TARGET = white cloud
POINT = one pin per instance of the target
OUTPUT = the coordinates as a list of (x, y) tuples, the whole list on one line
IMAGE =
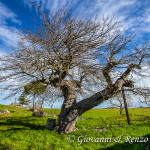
[(9, 35), (143, 81), (6, 14), (140, 24), (52, 4), (134, 14), (114, 6)]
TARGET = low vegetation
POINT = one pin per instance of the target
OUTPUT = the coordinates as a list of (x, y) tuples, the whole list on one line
[(21, 131)]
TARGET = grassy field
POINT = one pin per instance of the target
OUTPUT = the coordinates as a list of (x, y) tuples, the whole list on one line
[(100, 129)]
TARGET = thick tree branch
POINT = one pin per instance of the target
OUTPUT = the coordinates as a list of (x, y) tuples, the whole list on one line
[(106, 73), (107, 93)]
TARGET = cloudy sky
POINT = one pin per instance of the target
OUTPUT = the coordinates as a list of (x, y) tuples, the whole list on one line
[(18, 15)]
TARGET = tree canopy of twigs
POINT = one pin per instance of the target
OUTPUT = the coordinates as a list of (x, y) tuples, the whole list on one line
[(75, 55)]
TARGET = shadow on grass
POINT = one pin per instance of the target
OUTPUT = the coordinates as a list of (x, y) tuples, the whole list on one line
[(128, 146), (12, 111), (22, 121)]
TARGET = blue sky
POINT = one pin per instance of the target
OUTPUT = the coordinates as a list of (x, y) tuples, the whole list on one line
[(18, 15)]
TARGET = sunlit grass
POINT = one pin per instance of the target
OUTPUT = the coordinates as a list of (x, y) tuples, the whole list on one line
[(20, 131)]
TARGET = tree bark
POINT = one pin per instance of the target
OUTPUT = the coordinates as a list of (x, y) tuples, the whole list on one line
[(67, 117)]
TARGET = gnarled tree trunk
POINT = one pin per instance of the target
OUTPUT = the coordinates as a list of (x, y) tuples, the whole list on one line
[(71, 110), (67, 117)]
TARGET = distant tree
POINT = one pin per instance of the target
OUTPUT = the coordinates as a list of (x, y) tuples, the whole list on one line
[(50, 96), (74, 54), (34, 89), (118, 102), (40, 102), (23, 101), (144, 96)]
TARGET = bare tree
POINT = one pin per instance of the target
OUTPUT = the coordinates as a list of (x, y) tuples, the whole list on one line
[(50, 96), (144, 96), (40, 102), (76, 54), (117, 102)]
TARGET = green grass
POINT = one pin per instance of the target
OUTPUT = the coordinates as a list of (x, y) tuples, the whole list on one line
[(20, 131)]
